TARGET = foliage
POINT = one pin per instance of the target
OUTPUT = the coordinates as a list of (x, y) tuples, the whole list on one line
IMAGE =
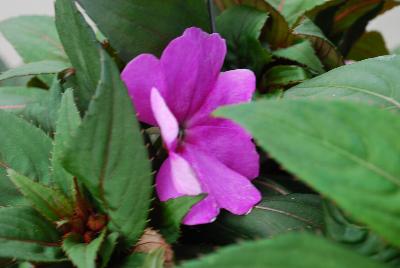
[(77, 168)]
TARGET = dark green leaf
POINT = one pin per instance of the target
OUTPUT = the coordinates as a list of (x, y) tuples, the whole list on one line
[(173, 212), (136, 26), (326, 51), (370, 45), (358, 238), (288, 251), (31, 161), (50, 203), (274, 215), (9, 195), (25, 235), (15, 99), (34, 37), (67, 124), (108, 155), (293, 10), (303, 53), (83, 255), (107, 249), (284, 75), (278, 34), (354, 154), (82, 48), (244, 48), (372, 81)]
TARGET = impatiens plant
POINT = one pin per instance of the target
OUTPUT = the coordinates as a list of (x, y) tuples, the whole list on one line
[(193, 133)]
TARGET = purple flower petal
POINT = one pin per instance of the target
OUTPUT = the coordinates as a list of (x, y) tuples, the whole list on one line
[(176, 178), (165, 119), (230, 190), (191, 65), (228, 142), (205, 211), (232, 87), (140, 76)]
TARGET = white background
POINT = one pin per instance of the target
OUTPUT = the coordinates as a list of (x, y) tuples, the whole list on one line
[(388, 24)]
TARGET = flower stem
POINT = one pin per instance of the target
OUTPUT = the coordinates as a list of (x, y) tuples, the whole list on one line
[(211, 14)]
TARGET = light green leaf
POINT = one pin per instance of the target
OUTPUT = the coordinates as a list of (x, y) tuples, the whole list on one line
[(326, 51), (374, 81), (35, 68), (25, 235), (44, 113), (34, 37), (154, 259), (83, 255), (132, 28), (108, 155), (303, 53), (346, 151), (370, 45), (288, 251), (173, 212), (273, 216), (24, 148), (82, 48), (67, 124), (50, 203), (15, 99)]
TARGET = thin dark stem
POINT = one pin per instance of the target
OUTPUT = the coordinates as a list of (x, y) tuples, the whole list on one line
[(211, 14)]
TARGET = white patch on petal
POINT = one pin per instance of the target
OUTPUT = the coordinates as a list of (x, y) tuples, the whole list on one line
[(183, 176), (165, 119)]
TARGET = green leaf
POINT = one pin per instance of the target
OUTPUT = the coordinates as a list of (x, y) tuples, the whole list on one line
[(15, 99), (108, 155), (372, 81), (173, 212), (284, 75), (354, 154), (358, 238), (9, 195), (370, 45), (154, 259), (31, 161), (67, 124), (44, 113), (132, 28), (25, 235), (35, 68), (326, 50), (244, 48), (82, 48), (293, 10), (303, 53), (287, 251), (83, 255), (250, 23), (107, 249), (274, 215), (278, 34), (34, 37), (50, 203)]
